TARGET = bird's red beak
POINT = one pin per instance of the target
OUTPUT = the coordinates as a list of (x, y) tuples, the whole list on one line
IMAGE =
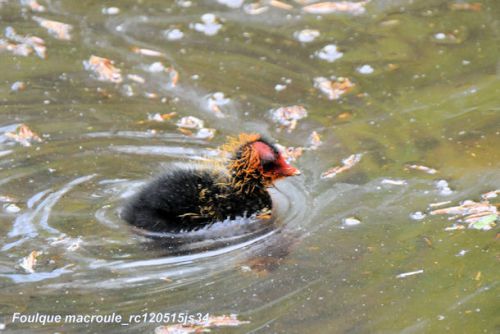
[(286, 169)]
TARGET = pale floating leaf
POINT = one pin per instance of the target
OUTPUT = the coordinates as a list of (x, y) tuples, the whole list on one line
[(255, 8), (410, 273), (28, 263), (490, 194), (57, 29), (333, 89), (422, 168), (347, 164), (484, 223), (280, 5), (306, 35), (23, 135), (33, 5), (287, 117), (472, 6), (148, 52), (190, 122), (104, 69), (330, 7), (394, 182), (314, 140), (290, 154)]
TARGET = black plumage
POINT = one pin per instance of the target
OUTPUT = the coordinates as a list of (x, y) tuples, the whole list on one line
[(191, 198)]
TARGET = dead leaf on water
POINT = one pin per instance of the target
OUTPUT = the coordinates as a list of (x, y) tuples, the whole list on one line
[(23, 135), (425, 169), (28, 263), (26, 44), (33, 5), (478, 215), (287, 117), (290, 154), (490, 194), (473, 6), (333, 89), (194, 127), (103, 68), (330, 7), (314, 140), (347, 164), (280, 5), (147, 52), (174, 76), (57, 29)]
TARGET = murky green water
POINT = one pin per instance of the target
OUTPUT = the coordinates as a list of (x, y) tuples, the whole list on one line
[(426, 77)]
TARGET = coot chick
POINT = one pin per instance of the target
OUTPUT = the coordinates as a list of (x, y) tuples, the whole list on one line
[(186, 199)]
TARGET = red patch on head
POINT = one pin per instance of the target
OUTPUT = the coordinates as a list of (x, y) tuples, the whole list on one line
[(280, 167), (265, 152)]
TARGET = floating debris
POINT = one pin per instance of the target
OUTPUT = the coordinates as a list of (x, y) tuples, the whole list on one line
[(161, 117), (279, 87), (28, 263), (255, 8), (478, 215), (27, 44), (462, 252), (187, 124), (455, 37), (435, 205), (136, 78), (280, 5), (365, 69), (425, 169), (148, 52), (351, 221), (347, 164), (205, 133), (18, 86), (103, 68), (201, 326), (210, 25), (215, 101), (173, 75), (306, 35), (23, 135), (288, 117), (484, 223), (410, 273), (418, 215), (290, 153), (33, 5), (110, 11), (329, 52), (156, 67), (333, 89), (473, 6), (57, 29), (190, 122), (491, 194), (231, 3), (173, 34), (444, 188), (394, 182), (314, 141), (354, 8)]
